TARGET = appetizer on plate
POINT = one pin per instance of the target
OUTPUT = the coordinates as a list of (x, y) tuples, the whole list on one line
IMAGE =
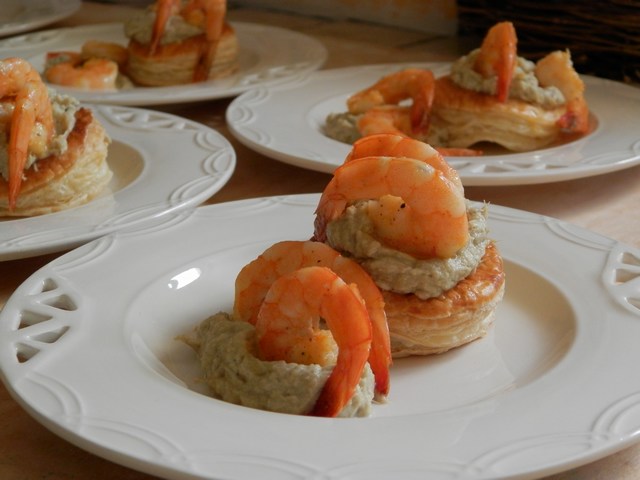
[(52, 151), (173, 42), (398, 209), (98, 66), (491, 95), (181, 41), (399, 264), (308, 335)]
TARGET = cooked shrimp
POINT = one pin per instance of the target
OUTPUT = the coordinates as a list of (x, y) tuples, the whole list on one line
[(399, 146), (385, 119), (165, 9), (92, 74), (413, 207), (255, 279), (410, 84), (288, 328), (111, 51), (498, 56), (31, 127), (556, 69), (207, 14), (394, 120)]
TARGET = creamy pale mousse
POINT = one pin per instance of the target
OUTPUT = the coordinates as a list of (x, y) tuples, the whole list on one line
[(227, 352), (524, 84), (140, 28), (395, 271)]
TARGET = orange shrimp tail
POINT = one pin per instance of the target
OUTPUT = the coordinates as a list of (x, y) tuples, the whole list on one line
[(205, 61), (576, 118), (319, 229), (21, 123), (16, 170), (330, 206), (380, 360), (498, 56), (164, 10), (504, 84), (210, 14), (341, 384), (422, 103), (335, 394), (420, 120)]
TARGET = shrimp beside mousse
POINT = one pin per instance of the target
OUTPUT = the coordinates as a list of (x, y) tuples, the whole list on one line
[(398, 209), (181, 41), (491, 96), (52, 151), (308, 335), (172, 42), (400, 264), (98, 66)]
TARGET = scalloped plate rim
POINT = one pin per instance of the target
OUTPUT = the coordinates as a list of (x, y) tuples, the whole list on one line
[(156, 203), (509, 223), (328, 153)]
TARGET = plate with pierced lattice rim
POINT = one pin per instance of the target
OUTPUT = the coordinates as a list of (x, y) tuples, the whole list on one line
[(161, 163), (288, 125), (552, 385)]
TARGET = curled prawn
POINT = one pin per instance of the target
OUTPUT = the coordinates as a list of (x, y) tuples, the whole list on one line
[(164, 10), (255, 279), (108, 50), (288, 328), (410, 84), (556, 69), (413, 207), (385, 119), (31, 126), (498, 57), (207, 14), (399, 146), (394, 120), (90, 74)]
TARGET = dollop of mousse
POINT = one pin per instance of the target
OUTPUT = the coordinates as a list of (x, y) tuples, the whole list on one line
[(140, 28), (342, 127), (524, 84), (227, 351), (353, 234)]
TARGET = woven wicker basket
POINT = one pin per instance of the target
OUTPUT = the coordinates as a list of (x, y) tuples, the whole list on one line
[(603, 36)]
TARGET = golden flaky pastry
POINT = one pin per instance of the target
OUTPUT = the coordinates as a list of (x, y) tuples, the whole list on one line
[(66, 180), (456, 317), (461, 118), (174, 63)]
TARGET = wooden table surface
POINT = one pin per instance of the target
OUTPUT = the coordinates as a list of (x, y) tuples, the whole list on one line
[(605, 204)]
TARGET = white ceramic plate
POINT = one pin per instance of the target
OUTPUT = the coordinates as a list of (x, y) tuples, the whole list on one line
[(268, 56), (17, 16), (161, 164), (287, 124), (552, 386)]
